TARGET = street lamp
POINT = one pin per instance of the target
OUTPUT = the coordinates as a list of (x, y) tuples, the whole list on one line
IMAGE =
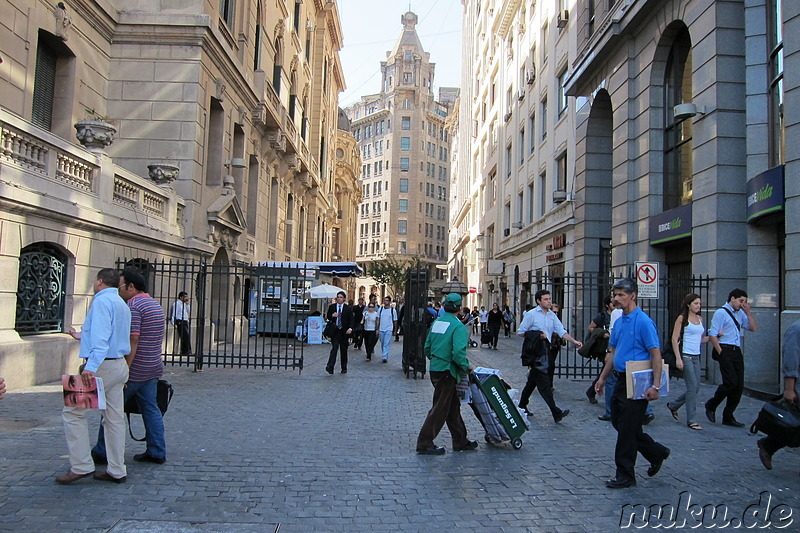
[(454, 285)]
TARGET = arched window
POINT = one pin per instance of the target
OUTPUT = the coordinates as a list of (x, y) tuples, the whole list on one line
[(147, 271), (678, 133), (41, 289)]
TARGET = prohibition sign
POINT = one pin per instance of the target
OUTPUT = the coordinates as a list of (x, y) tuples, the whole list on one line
[(647, 278)]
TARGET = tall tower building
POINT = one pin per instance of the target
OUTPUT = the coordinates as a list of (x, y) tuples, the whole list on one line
[(405, 147)]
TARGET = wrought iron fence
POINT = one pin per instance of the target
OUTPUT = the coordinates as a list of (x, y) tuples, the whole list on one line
[(241, 316), (580, 297)]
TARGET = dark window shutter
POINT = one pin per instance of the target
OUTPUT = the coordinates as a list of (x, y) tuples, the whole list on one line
[(44, 86)]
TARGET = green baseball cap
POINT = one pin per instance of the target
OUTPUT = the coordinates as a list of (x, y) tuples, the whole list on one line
[(453, 298)]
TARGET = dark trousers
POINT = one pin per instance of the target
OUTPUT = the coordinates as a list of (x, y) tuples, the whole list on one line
[(494, 331), (626, 417), (731, 366), (552, 357), (182, 329), (338, 343), (772, 444), (446, 409), (370, 339), (358, 336), (540, 380)]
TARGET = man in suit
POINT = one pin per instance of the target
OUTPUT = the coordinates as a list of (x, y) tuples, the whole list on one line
[(342, 315)]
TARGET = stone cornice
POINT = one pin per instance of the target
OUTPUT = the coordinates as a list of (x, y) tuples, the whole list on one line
[(102, 20)]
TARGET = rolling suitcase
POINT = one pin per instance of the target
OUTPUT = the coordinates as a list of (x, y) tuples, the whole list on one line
[(486, 337)]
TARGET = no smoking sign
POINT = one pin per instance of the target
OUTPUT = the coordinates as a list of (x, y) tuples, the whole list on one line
[(647, 278)]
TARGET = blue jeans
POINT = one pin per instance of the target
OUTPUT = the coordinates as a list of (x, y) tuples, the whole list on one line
[(608, 391), (386, 341), (691, 375), (145, 392)]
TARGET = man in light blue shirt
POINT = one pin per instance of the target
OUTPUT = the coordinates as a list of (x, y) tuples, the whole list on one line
[(105, 341), (542, 319), (726, 337)]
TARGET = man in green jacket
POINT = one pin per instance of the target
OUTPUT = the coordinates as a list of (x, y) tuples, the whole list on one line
[(446, 347)]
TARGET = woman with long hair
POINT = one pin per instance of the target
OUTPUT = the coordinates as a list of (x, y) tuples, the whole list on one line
[(370, 322), (687, 336)]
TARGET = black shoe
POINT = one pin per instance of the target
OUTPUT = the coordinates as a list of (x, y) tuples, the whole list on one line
[(711, 415), (470, 445), (147, 458), (329, 369), (648, 418), (99, 459), (616, 483), (733, 423), (592, 398), (433, 450), (656, 466), (344, 371), (561, 416), (764, 455), (604, 418), (105, 476), (525, 410)]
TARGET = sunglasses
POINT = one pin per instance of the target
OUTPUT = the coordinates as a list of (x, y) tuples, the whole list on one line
[(371, 307)]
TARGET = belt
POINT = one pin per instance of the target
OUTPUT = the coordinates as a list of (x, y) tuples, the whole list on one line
[(730, 345), (617, 374)]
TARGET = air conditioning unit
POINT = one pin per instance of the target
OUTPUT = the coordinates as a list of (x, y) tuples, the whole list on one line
[(517, 225), (559, 196), (521, 95), (507, 116), (530, 76), (310, 25), (506, 232), (563, 18)]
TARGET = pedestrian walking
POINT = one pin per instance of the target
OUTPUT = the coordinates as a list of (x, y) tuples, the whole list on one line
[(484, 318), (145, 367), (370, 323), (446, 347), (358, 323), (494, 322), (508, 320), (543, 320), (400, 307), (599, 350), (342, 315), (387, 326), (688, 334), (725, 334), (634, 338), (791, 389), (476, 320), (105, 341)]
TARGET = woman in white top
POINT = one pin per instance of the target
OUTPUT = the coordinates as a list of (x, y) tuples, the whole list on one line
[(687, 336), (370, 322)]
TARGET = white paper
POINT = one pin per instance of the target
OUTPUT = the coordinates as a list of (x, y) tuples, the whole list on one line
[(440, 326)]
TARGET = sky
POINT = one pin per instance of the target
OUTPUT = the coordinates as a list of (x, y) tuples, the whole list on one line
[(371, 27)]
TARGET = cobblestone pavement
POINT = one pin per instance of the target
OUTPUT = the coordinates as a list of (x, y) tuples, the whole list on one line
[(252, 450)]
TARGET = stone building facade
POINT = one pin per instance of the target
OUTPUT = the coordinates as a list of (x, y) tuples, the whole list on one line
[(514, 212), (232, 104), (683, 112), (405, 151)]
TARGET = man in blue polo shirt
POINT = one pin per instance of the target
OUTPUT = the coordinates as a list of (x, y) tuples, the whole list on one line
[(634, 339)]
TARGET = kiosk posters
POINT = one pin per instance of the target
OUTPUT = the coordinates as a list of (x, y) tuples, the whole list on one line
[(315, 326)]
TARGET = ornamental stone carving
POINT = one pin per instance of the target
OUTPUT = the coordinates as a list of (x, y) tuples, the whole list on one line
[(163, 174), (95, 134)]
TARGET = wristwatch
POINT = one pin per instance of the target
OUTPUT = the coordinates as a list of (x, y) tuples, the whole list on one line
[(656, 388)]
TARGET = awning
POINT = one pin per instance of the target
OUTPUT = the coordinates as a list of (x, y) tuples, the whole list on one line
[(340, 269)]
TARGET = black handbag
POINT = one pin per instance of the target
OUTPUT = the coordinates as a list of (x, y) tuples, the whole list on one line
[(164, 392), (779, 419), (330, 329), (671, 359)]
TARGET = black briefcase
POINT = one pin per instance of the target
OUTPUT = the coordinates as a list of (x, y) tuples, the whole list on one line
[(779, 419), (164, 394)]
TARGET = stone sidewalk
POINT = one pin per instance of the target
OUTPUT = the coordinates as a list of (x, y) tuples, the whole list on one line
[(256, 451)]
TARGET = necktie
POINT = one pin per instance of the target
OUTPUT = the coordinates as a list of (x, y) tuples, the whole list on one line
[(339, 317)]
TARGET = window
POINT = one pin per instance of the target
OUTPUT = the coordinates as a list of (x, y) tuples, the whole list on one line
[(545, 47), (531, 203), (509, 161), (405, 123), (403, 164), (401, 247), (544, 119), (522, 146), (531, 133), (561, 177), (677, 133), (53, 85), (41, 290), (226, 12), (405, 143), (777, 148), (562, 94), (408, 77), (542, 194), (403, 184), (402, 227), (403, 206)]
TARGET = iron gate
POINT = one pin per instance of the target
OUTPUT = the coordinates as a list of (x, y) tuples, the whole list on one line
[(581, 296), (241, 316)]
